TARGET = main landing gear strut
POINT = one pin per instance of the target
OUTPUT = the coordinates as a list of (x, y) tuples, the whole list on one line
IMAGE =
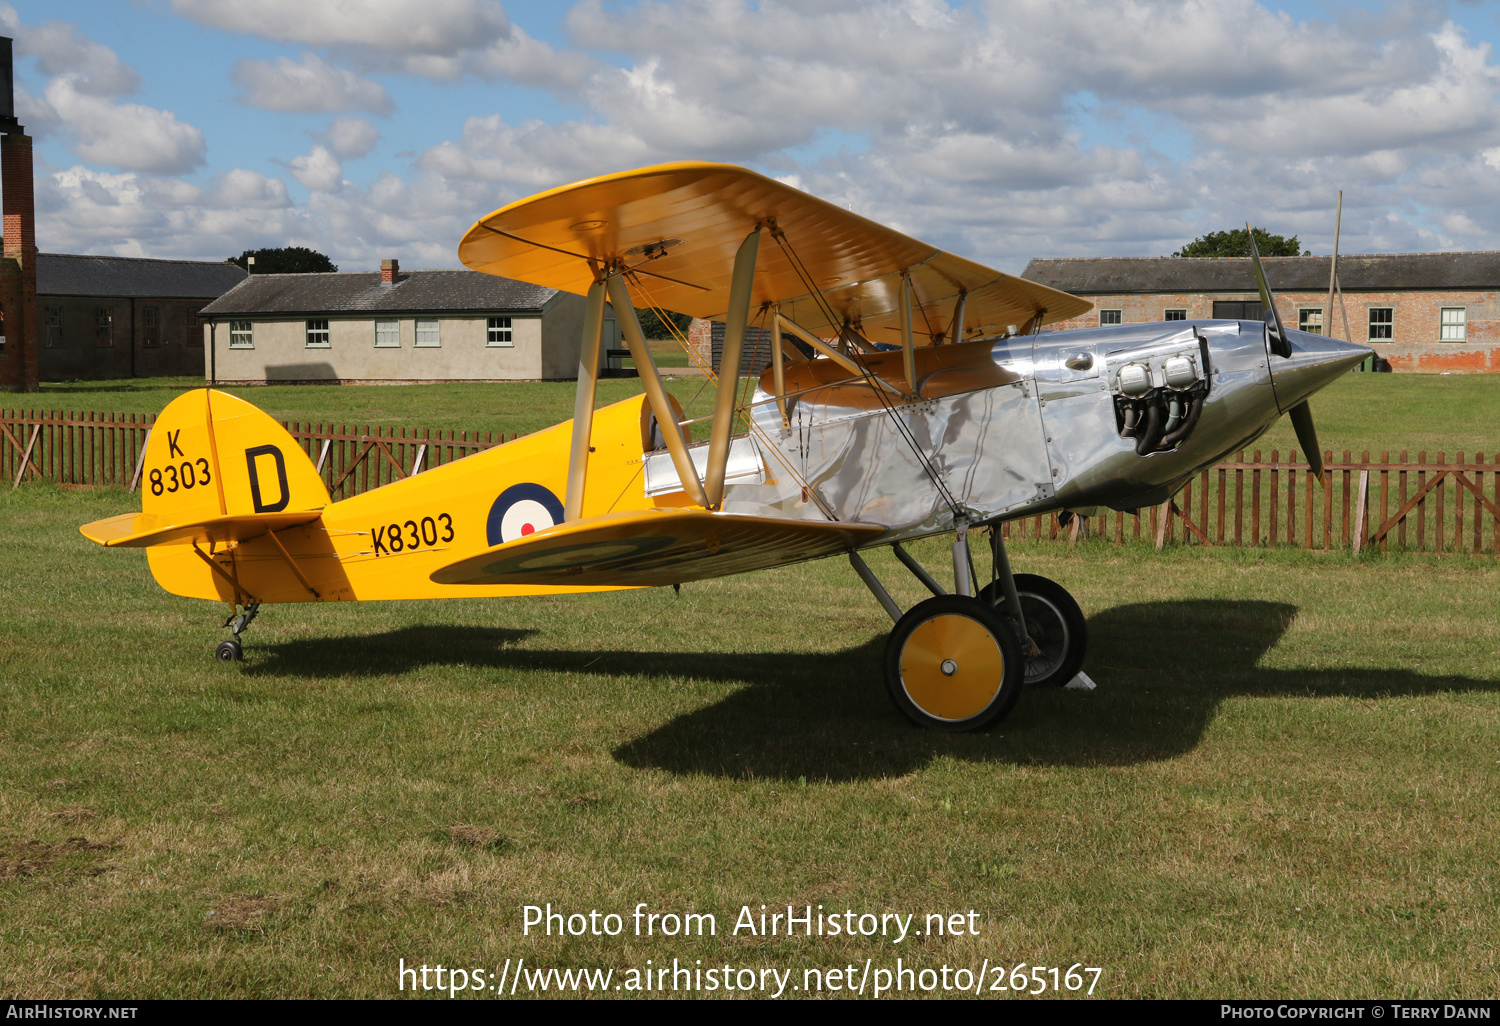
[(232, 651), (958, 662)]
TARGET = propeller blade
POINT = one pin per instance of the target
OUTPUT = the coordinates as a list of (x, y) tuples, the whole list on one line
[(1307, 436), (1276, 335)]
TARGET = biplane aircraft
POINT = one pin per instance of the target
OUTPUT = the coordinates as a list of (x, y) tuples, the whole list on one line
[(910, 393)]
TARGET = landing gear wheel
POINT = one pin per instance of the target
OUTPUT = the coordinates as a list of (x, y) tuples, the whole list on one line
[(1056, 626), (953, 663), (229, 652)]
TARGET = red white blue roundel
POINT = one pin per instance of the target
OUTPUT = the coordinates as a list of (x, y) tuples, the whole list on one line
[(521, 510)]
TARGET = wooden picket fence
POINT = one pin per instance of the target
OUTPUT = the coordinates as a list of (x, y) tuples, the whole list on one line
[(1432, 505), (91, 449)]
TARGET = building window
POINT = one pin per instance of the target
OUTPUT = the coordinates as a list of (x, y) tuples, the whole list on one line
[(194, 332), (1238, 310), (1310, 320), (1453, 325), (1382, 323), (387, 334), (1175, 315), (317, 335), (427, 335), (104, 320), (499, 332), (1109, 317), (150, 325), (52, 323), (241, 335)]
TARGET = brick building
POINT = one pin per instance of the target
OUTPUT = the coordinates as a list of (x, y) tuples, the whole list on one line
[(123, 317), (1430, 312)]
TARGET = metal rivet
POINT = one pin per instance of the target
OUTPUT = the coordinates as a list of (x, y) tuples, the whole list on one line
[(949, 667)]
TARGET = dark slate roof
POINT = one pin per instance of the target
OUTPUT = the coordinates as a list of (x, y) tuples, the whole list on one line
[(62, 274), (295, 295), (1383, 272)]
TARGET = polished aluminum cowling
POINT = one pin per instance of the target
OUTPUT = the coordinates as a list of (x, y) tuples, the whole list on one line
[(1314, 364), (1049, 438)]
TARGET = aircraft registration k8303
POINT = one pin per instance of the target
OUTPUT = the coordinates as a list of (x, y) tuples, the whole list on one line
[(911, 393)]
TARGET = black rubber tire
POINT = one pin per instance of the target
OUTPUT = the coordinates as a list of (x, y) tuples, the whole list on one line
[(229, 652), (1008, 688), (1054, 622)]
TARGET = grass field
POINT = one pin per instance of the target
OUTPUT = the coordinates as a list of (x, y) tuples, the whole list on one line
[(1360, 411), (1283, 785)]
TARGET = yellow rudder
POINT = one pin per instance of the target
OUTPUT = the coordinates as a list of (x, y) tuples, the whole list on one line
[(212, 454)]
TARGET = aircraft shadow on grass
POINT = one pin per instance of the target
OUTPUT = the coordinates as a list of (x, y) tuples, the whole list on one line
[(1162, 667)]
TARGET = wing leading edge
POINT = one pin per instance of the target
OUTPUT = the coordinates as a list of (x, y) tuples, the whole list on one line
[(137, 530), (679, 225)]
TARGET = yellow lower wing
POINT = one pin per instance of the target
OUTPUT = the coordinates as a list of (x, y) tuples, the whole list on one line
[(648, 548), (135, 530)]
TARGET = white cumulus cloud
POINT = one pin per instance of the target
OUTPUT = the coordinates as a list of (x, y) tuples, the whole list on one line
[(126, 135), (318, 170), (350, 138), (310, 85), (394, 26)]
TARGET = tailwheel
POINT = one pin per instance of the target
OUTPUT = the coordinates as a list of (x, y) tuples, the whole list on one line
[(953, 663), (232, 651), (1059, 635)]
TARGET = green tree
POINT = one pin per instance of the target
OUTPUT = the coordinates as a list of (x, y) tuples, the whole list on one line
[(652, 326), (1236, 243), (284, 260)]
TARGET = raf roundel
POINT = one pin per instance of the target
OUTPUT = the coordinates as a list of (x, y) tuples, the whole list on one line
[(521, 510)]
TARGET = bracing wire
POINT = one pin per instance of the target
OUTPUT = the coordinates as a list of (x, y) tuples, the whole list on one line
[(677, 336), (901, 427), (743, 410)]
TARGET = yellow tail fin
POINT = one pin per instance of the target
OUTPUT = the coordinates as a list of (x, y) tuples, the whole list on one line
[(213, 455)]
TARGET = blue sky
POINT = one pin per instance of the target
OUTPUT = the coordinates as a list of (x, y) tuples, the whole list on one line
[(1001, 130)]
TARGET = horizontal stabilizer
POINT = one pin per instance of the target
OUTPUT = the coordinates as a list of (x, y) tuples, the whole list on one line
[(649, 548), (136, 530)]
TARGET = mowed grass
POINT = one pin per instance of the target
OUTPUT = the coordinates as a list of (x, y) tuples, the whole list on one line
[(1359, 411), (1283, 785)]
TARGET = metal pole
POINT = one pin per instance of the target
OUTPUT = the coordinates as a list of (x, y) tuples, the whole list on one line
[(873, 583), (735, 321), (918, 570), (1333, 267), (1007, 580), (908, 357), (656, 394), (583, 401), (956, 331), (778, 372), (963, 582)]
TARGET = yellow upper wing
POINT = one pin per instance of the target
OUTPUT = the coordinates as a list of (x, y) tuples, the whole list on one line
[(702, 212)]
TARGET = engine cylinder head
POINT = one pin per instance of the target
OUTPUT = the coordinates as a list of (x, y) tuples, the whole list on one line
[(1180, 373), (1135, 380)]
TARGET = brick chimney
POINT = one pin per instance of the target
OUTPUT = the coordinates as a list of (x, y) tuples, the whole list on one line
[(19, 355), (389, 269)]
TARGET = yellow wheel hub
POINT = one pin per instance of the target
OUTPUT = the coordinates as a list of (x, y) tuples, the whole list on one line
[(952, 667)]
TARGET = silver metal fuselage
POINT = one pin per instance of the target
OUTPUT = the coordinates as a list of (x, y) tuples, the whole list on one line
[(1055, 433)]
